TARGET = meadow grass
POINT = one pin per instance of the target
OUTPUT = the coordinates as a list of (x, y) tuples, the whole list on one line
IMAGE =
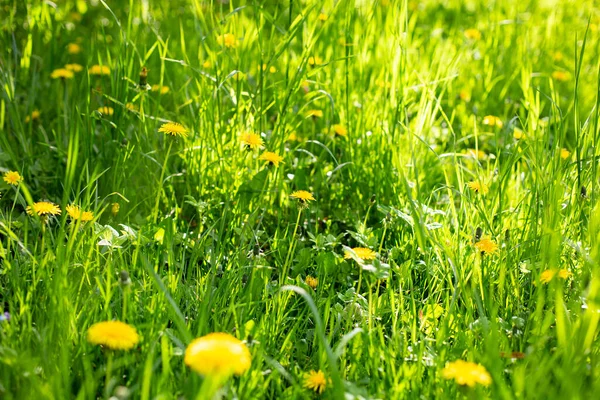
[(457, 140)]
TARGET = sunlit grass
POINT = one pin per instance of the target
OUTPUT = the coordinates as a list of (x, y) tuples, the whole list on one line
[(369, 199)]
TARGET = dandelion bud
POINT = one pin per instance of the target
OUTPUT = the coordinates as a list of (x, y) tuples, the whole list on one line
[(387, 220), (311, 282), (144, 78), (124, 278), (478, 233), (114, 209), (122, 392)]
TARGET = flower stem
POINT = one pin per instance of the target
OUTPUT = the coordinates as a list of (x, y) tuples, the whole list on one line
[(162, 177), (209, 389), (125, 298), (359, 282), (291, 249), (109, 366), (382, 238), (108, 286)]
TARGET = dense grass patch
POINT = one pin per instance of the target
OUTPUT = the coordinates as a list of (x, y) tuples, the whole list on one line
[(368, 190)]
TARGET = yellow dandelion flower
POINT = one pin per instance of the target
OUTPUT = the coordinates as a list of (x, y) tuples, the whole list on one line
[(75, 213), (218, 355), (174, 129), (315, 380), (43, 208), (12, 178), (73, 48), (323, 17), (314, 60), (557, 56), (114, 209), (340, 130), (251, 140), (228, 40), (264, 67), (206, 64), (293, 137), (564, 274), (486, 246), (131, 106), (467, 373), (35, 115), (491, 120), (564, 154), (271, 158), (302, 195), (561, 76), (314, 113), (464, 95), (99, 70), (161, 89), (547, 275), (478, 187), (311, 282), (115, 335), (106, 110), (518, 134), (361, 252), (472, 34), (62, 73), (74, 67)]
